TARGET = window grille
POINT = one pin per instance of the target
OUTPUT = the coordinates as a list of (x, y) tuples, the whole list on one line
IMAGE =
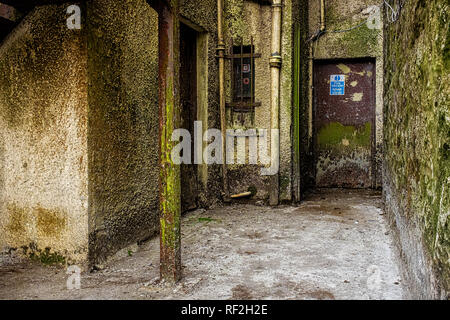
[(243, 77)]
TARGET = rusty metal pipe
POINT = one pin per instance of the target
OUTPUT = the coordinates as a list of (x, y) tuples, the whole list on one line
[(241, 195), (169, 120)]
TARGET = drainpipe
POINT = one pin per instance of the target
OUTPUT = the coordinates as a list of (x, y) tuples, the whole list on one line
[(310, 91), (223, 124), (275, 66), (322, 15)]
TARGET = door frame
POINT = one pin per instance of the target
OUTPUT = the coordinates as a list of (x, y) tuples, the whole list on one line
[(203, 97)]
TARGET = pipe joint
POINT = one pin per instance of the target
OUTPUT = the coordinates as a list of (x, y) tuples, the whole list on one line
[(220, 49), (277, 4), (275, 60)]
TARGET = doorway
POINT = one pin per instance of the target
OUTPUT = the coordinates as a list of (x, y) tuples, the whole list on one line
[(188, 101), (344, 123)]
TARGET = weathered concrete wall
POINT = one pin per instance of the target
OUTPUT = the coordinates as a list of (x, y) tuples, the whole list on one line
[(417, 142), (301, 158), (290, 13), (123, 124), (245, 19), (43, 138), (361, 42)]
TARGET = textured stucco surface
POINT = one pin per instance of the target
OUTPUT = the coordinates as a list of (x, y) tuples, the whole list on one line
[(361, 42), (417, 142), (43, 138), (286, 94), (245, 19), (301, 156), (123, 124)]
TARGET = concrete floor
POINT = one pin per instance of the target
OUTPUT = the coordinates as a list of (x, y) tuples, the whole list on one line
[(335, 245)]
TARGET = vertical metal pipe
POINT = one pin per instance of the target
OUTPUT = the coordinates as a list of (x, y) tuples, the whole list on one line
[(251, 72), (223, 125), (242, 74), (322, 15), (233, 73), (275, 67), (310, 91)]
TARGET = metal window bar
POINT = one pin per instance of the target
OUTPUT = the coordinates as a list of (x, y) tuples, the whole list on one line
[(242, 74), (239, 103)]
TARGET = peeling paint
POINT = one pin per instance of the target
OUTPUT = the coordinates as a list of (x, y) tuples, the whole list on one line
[(345, 69), (356, 97)]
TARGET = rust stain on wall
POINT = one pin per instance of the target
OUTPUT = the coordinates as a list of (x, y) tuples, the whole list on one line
[(22, 220), (50, 223), (18, 219)]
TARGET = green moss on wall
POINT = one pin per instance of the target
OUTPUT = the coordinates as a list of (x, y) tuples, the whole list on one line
[(417, 129), (358, 42), (235, 22), (339, 136)]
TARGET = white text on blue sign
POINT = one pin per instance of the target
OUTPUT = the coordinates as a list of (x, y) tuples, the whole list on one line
[(337, 85)]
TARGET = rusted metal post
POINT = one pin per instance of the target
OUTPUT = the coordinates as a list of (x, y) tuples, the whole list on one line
[(169, 120)]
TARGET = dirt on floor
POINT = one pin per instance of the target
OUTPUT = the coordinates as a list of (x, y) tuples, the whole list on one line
[(334, 245)]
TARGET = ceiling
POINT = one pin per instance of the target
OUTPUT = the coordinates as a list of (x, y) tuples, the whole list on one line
[(22, 7)]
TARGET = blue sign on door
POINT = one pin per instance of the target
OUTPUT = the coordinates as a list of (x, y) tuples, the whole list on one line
[(337, 85)]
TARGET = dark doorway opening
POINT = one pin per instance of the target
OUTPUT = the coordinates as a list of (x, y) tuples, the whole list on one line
[(188, 100), (344, 123)]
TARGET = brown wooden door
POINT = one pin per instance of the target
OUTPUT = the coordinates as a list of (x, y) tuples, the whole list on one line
[(344, 96), (188, 99)]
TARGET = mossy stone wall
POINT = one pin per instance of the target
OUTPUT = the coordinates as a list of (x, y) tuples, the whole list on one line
[(417, 142)]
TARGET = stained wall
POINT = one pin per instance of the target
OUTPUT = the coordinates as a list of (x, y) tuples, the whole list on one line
[(417, 143), (43, 138)]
